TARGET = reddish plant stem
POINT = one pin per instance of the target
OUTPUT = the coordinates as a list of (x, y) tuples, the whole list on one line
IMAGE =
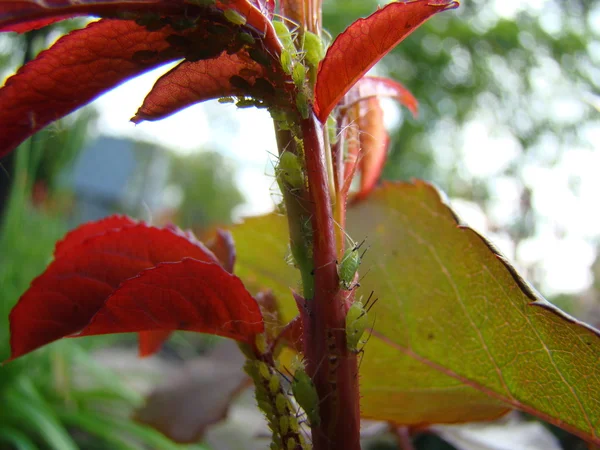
[(332, 367)]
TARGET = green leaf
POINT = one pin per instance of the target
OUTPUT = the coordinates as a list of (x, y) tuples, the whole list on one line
[(262, 245), (459, 336)]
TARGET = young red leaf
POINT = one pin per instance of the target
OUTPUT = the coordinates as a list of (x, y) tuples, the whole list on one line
[(364, 43), (194, 82), (77, 69), (368, 87), (87, 230), (374, 142), (186, 295), (76, 284), (223, 247)]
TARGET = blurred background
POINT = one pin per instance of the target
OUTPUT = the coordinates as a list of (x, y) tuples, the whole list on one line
[(509, 127)]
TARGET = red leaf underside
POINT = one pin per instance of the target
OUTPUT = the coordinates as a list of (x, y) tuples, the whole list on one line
[(194, 82), (223, 247), (374, 142), (77, 69), (26, 15), (368, 87), (364, 43), (186, 295), (66, 296)]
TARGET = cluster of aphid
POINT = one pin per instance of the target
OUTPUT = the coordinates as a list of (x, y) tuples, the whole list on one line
[(275, 403), (301, 52)]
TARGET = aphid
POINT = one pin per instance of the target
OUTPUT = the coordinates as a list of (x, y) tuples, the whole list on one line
[(284, 424), (302, 104), (313, 48), (305, 392), (290, 171), (226, 100), (299, 75), (349, 266), (284, 35), (247, 38), (234, 17), (357, 321), (289, 52)]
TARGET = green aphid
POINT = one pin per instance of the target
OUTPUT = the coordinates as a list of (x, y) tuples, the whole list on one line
[(246, 38), (234, 17), (357, 321), (305, 393), (349, 266), (226, 100), (299, 75), (287, 61), (284, 35), (313, 48), (290, 170), (302, 104), (288, 53)]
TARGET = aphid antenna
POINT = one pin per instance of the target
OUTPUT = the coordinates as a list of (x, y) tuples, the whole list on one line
[(369, 306), (364, 343), (335, 261), (355, 245), (288, 20), (284, 376)]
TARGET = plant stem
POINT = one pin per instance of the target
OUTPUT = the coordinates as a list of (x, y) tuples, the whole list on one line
[(332, 367)]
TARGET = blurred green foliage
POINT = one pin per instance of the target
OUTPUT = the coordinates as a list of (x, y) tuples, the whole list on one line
[(209, 193)]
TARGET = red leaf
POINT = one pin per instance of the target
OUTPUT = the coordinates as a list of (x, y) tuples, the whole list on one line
[(87, 230), (66, 296), (77, 69), (186, 295), (374, 142), (32, 24), (151, 341), (254, 12), (26, 15), (368, 87), (364, 43), (194, 82), (223, 247)]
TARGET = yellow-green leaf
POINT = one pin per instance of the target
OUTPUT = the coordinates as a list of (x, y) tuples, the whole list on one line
[(459, 336)]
